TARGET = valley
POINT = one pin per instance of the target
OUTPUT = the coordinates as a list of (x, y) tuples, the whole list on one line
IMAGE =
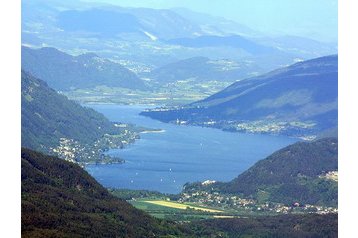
[(165, 161), (179, 119), (172, 158), (170, 94)]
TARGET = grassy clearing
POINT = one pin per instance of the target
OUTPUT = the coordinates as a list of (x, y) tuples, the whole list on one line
[(180, 206)]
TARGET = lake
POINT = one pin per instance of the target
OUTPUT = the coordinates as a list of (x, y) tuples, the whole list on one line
[(165, 161)]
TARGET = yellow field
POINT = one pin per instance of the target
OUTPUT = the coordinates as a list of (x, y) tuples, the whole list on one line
[(216, 216), (179, 205)]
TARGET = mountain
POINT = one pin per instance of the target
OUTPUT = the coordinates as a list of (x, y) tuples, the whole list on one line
[(97, 21), (162, 24), (53, 124), (60, 199), (303, 172), (63, 71), (214, 25), (202, 69), (147, 38), (302, 46), (106, 21), (300, 99), (234, 41), (112, 21)]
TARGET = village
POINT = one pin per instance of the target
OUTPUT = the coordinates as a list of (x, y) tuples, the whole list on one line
[(83, 154), (247, 206)]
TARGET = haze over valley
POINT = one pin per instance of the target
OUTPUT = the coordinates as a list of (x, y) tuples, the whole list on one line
[(181, 55)]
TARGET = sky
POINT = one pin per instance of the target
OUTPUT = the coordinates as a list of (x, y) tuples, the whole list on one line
[(316, 19)]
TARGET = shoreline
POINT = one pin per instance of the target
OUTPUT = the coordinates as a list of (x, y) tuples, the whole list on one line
[(102, 163)]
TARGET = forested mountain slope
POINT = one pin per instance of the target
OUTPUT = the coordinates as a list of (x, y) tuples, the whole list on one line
[(53, 124), (60, 199), (297, 100), (304, 172), (64, 72)]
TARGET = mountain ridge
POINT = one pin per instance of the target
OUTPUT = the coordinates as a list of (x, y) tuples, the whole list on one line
[(53, 124), (203, 69), (63, 71), (298, 100), (299, 173), (60, 199)]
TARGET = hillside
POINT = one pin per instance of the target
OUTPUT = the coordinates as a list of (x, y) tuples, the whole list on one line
[(202, 69), (302, 172), (301, 99), (282, 226), (113, 21), (50, 121), (63, 71), (60, 199)]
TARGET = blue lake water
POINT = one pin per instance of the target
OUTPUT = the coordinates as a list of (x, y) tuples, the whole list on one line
[(166, 161)]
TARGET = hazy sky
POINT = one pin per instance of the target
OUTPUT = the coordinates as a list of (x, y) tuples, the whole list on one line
[(316, 19)]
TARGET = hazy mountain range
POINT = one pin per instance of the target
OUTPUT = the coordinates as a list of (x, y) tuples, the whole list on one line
[(88, 72), (156, 37), (64, 72)]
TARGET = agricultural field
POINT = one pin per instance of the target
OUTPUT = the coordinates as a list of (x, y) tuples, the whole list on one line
[(178, 211), (182, 206)]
